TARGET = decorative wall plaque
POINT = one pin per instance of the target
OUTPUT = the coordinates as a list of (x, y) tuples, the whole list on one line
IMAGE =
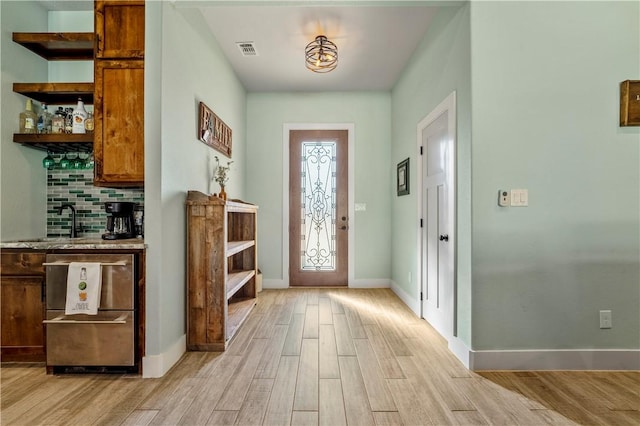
[(630, 103), (213, 131)]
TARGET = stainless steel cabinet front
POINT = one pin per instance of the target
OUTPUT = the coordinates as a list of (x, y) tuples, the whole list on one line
[(106, 339), (117, 279)]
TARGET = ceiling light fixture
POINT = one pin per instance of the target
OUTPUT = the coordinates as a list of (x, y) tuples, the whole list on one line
[(321, 55)]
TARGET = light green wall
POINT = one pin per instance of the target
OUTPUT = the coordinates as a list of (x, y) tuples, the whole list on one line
[(23, 199), (71, 21), (370, 112), (183, 67), (545, 117), (439, 66)]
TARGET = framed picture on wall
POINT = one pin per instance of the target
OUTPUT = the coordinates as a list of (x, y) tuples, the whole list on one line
[(403, 177)]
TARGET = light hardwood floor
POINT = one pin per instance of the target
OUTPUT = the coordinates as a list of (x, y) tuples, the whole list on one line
[(329, 357)]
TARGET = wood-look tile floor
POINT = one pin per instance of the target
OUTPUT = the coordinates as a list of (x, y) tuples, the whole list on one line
[(328, 357)]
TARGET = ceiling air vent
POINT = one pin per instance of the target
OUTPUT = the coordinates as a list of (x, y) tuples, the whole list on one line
[(247, 48)]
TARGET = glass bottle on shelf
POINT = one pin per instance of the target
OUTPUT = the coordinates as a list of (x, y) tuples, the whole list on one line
[(88, 123), (57, 122), (28, 119), (44, 120), (79, 116), (68, 120)]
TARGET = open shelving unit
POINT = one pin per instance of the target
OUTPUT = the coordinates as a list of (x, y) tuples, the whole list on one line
[(222, 269), (57, 47)]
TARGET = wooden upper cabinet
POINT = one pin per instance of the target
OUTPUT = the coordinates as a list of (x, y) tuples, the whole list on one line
[(118, 145), (119, 28)]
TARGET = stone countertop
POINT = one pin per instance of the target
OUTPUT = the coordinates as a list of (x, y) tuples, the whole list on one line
[(92, 243)]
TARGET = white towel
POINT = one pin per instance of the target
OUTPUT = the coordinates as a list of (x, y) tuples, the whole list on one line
[(84, 282)]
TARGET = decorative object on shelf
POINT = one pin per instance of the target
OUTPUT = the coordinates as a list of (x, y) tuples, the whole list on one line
[(321, 55), (77, 163), (220, 176), (48, 162), (630, 103), (78, 117), (403, 177), (44, 125), (28, 119), (65, 163), (213, 131), (89, 123)]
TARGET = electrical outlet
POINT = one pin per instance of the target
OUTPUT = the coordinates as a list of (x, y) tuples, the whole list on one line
[(605, 319), (504, 199)]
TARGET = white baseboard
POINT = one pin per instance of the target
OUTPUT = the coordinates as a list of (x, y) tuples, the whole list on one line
[(359, 283), (271, 283), (158, 365), (460, 350), (412, 303), (568, 359), (537, 359), (370, 283)]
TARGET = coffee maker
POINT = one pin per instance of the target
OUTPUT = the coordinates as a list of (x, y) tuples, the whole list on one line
[(120, 222)]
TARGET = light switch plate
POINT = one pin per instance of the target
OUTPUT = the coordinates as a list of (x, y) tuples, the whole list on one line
[(519, 197)]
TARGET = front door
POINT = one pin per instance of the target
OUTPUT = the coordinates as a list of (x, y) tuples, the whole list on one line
[(437, 139), (318, 207)]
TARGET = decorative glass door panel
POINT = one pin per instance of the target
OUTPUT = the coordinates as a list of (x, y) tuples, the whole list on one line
[(318, 193), (318, 207)]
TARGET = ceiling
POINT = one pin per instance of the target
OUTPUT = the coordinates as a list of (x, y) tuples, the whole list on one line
[(375, 39), (374, 44)]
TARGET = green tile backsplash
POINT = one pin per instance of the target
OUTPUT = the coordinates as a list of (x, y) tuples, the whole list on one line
[(75, 187)]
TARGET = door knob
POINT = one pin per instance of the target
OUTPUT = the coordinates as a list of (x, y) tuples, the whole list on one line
[(444, 238)]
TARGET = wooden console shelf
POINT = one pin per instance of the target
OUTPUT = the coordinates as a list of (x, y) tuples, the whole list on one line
[(222, 269)]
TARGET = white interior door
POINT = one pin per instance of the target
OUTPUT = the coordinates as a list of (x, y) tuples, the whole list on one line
[(436, 136)]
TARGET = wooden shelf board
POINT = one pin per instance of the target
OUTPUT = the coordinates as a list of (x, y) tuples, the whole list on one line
[(57, 93), (236, 280), (240, 207), (58, 46), (239, 310), (56, 143), (234, 247)]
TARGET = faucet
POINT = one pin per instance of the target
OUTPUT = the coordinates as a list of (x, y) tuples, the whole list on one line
[(74, 232)]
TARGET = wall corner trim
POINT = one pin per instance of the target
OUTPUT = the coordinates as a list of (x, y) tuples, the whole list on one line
[(158, 365), (411, 302)]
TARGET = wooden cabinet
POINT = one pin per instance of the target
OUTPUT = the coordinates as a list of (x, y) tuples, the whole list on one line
[(221, 269), (118, 144), (117, 50), (22, 306), (119, 27), (119, 93)]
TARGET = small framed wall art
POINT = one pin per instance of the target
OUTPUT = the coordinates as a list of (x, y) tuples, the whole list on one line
[(403, 177), (630, 103), (213, 131)]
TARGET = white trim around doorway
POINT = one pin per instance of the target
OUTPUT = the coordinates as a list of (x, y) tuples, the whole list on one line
[(286, 127)]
